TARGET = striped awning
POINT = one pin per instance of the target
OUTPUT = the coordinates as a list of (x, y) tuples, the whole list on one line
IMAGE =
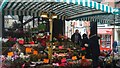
[(63, 8), (99, 18)]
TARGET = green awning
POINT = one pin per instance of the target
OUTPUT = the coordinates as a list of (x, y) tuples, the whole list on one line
[(63, 8)]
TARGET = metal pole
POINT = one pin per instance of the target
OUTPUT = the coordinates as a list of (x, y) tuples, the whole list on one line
[(50, 47)]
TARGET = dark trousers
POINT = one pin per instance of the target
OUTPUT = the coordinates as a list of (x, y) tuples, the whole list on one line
[(95, 61)]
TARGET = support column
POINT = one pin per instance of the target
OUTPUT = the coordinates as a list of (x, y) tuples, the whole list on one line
[(33, 21), (21, 20), (58, 27), (115, 35), (50, 47), (63, 28), (1, 24), (38, 20)]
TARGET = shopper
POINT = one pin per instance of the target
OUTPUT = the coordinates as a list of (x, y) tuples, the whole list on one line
[(84, 40), (76, 37), (85, 43), (94, 44), (115, 46)]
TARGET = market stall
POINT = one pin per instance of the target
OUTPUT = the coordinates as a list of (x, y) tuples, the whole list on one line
[(59, 51)]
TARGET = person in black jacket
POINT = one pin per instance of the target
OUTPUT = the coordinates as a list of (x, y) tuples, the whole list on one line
[(85, 43), (94, 44), (84, 40), (76, 37)]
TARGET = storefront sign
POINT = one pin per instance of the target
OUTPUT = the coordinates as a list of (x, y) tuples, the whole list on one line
[(105, 31)]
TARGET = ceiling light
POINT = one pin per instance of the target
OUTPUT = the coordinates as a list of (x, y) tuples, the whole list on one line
[(54, 15), (44, 15)]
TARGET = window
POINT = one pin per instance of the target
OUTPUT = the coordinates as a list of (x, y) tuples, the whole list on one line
[(105, 41)]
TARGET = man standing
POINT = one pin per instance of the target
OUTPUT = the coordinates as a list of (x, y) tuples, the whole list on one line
[(94, 45), (76, 37)]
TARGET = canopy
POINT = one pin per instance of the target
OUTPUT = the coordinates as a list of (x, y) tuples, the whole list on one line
[(65, 9)]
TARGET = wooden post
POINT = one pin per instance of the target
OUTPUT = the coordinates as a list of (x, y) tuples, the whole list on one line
[(50, 47)]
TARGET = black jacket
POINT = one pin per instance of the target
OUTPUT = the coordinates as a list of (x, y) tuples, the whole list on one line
[(73, 38), (85, 40)]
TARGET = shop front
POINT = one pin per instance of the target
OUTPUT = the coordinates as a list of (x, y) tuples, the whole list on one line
[(106, 38)]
